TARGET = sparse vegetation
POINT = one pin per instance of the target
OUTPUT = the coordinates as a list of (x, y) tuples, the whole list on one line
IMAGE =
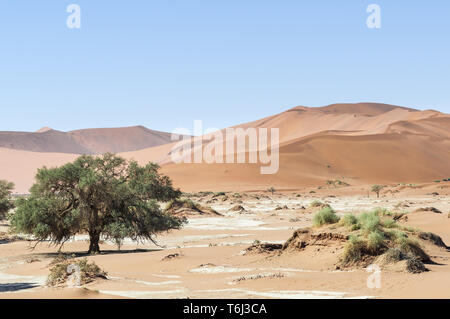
[(325, 216), (83, 270), (186, 203), (6, 202), (259, 247), (435, 239), (219, 194), (271, 190), (183, 202), (259, 276), (337, 183), (377, 189), (317, 203), (378, 234), (349, 220)]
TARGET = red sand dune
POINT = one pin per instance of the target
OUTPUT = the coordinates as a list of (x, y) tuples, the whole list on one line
[(359, 143)]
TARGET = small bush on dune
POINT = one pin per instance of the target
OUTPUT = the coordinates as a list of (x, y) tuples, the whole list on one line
[(412, 249), (389, 223), (59, 273), (376, 235), (349, 220), (6, 201), (186, 203), (317, 203), (354, 250), (396, 234), (369, 222), (415, 266), (219, 194), (357, 247), (435, 239), (409, 229), (394, 255), (382, 212), (325, 216), (375, 242), (176, 204), (202, 194)]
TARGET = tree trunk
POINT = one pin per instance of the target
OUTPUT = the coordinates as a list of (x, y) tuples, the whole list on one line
[(94, 239)]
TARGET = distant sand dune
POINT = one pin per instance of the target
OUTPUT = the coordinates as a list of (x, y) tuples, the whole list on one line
[(361, 143), (88, 141)]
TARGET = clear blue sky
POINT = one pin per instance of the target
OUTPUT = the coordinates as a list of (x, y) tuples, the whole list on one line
[(164, 63)]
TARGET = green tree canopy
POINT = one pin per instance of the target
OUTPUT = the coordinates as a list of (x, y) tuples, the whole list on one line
[(377, 189), (6, 203), (102, 196)]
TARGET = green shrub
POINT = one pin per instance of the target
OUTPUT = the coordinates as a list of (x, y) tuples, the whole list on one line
[(410, 229), (354, 250), (412, 249), (389, 223), (375, 242), (396, 234), (378, 235), (6, 201), (382, 212), (349, 220), (369, 222), (325, 216)]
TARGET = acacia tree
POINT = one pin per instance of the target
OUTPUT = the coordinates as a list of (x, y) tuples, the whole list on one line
[(6, 203), (377, 189), (102, 196)]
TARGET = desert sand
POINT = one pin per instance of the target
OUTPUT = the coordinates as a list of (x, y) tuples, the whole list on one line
[(207, 257)]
